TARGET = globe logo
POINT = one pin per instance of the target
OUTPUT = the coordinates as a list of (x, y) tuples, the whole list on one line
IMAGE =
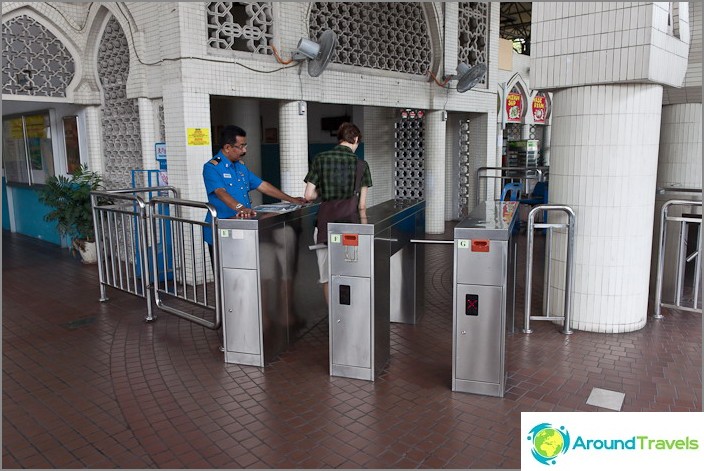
[(548, 442)]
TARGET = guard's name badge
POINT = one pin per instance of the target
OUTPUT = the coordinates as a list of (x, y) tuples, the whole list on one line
[(227, 175)]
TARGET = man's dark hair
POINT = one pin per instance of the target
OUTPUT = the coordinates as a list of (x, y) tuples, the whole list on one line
[(347, 132), (229, 135)]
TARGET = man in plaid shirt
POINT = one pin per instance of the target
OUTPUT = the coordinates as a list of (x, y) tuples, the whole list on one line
[(331, 177)]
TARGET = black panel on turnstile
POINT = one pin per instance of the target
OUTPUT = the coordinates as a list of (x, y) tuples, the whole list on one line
[(471, 305), (345, 294)]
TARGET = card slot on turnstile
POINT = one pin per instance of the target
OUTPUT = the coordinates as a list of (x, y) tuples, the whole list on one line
[(345, 295)]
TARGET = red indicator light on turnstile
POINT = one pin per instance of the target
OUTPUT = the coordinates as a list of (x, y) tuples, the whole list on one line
[(480, 245), (350, 239)]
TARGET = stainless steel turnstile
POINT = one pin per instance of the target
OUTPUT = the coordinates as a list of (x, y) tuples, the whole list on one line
[(269, 280), (363, 261), (483, 297)]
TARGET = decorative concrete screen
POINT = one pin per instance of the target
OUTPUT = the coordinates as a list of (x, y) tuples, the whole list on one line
[(377, 35), (473, 33), (409, 162), (120, 115), (35, 62), (240, 26)]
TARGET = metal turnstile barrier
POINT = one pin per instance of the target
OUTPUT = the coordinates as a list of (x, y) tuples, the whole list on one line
[(682, 257), (532, 225), (179, 279), (122, 240), (373, 273), (483, 297), (269, 279)]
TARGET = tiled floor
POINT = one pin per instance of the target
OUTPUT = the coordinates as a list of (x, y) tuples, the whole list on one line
[(90, 385)]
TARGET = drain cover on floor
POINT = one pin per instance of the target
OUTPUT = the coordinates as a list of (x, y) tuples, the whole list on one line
[(78, 323), (607, 399)]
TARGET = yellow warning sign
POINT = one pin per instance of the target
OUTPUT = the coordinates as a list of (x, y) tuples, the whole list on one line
[(198, 137)]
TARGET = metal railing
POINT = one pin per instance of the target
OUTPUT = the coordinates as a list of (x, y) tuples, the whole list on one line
[(502, 175), (682, 258), (183, 282), (122, 240), (570, 225)]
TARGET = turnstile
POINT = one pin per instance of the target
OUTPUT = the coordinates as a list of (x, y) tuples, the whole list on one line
[(363, 261), (483, 297), (269, 276)]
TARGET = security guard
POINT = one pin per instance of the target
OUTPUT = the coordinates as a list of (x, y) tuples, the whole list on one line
[(228, 182)]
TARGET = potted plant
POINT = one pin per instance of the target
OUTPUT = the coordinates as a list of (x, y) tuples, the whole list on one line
[(70, 199)]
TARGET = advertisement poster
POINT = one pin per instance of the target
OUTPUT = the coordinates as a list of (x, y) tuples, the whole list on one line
[(514, 107), (539, 108)]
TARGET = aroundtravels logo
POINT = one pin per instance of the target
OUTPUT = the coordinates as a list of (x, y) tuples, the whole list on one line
[(587, 441), (548, 442)]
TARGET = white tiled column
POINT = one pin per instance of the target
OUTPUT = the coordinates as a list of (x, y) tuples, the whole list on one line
[(94, 139), (244, 112), (378, 138), (525, 131), (451, 166), (147, 133), (680, 163), (293, 140), (604, 162), (545, 145), (184, 110), (435, 129)]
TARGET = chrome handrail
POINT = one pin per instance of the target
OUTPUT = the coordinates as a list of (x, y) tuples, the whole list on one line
[(566, 318), (664, 218)]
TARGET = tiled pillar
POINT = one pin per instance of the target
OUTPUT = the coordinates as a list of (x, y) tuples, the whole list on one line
[(435, 129), (606, 64), (680, 163), (525, 131), (377, 136), (148, 133), (545, 145), (185, 110), (452, 178), (244, 112), (293, 145), (94, 140), (604, 164)]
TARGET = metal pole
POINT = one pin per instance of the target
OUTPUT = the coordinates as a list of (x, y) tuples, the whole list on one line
[(568, 271), (698, 266), (529, 273), (547, 272), (99, 245), (661, 261), (681, 264)]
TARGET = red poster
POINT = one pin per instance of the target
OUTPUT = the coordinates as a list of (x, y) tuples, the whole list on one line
[(540, 111), (514, 107)]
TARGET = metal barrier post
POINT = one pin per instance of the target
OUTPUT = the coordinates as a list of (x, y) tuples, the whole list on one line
[(116, 215), (180, 257), (664, 218), (568, 266)]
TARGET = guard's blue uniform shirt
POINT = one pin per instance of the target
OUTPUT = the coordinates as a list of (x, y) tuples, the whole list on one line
[(235, 178)]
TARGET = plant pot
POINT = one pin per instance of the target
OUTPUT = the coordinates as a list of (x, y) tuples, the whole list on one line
[(88, 251)]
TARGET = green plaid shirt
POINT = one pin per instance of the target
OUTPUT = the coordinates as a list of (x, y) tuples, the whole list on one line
[(333, 171)]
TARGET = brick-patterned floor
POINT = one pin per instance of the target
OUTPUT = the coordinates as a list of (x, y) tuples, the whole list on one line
[(90, 385)]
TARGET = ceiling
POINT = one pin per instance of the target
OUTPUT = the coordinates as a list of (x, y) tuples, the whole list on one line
[(515, 22)]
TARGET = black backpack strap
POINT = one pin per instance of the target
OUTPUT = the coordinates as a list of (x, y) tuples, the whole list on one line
[(358, 176)]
